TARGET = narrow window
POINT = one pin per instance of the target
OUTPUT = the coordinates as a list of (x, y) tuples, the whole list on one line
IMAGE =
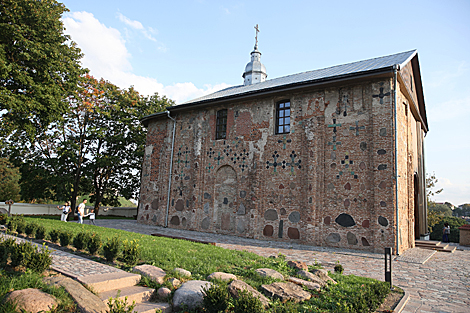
[(411, 82), (283, 117), (221, 125)]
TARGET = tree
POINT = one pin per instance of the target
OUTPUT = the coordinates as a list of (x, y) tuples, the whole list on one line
[(39, 65), (431, 182), (443, 209), (9, 177)]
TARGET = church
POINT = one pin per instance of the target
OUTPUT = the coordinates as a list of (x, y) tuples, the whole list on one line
[(329, 157)]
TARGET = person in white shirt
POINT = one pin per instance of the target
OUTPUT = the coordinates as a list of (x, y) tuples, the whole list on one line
[(65, 211), (92, 216), (81, 211)]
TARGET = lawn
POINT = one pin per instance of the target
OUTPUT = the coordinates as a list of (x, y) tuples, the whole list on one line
[(351, 294)]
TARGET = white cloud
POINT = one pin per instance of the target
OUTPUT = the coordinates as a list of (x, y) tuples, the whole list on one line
[(138, 26), (107, 57), (458, 192)]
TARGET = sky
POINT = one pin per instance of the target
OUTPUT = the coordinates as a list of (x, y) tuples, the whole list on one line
[(186, 49)]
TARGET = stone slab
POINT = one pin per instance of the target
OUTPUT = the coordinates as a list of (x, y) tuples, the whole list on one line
[(150, 307), (133, 293), (110, 281), (153, 272)]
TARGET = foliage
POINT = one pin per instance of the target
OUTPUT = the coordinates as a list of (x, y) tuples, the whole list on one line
[(454, 223), (5, 250), (443, 209), (20, 224), (246, 303), (338, 268), (39, 65), (54, 235), (117, 305), (9, 178), (434, 217), (3, 219), (216, 298), (39, 260), (31, 229), (111, 249), (130, 252), (431, 182), (65, 237), (21, 253), (80, 240), (463, 210), (40, 232), (94, 243)]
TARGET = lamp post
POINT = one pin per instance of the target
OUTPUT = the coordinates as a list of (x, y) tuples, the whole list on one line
[(9, 202)]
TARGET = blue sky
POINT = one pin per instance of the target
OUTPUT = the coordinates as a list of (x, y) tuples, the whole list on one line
[(186, 49)]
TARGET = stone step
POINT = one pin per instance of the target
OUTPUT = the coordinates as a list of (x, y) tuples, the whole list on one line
[(426, 243), (109, 281), (150, 307), (441, 248), (133, 293)]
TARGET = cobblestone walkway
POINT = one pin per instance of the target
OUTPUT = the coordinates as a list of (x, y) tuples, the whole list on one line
[(441, 284)]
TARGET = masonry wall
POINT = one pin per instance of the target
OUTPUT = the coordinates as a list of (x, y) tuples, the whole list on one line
[(329, 182)]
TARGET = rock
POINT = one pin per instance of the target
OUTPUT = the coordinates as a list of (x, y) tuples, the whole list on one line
[(32, 300), (298, 265), (310, 285), (267, 272), (286, 292), (221, 276), (183, 272), (311, 277), (323, 275), (238, 285), (163, 293), (153, 272), (174, 282), (87, 302), (190, 295)]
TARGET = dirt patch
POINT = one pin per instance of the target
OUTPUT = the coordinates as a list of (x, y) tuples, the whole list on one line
[(391, 301)]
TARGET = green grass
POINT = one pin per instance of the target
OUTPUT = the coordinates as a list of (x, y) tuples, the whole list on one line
[(350, 293)]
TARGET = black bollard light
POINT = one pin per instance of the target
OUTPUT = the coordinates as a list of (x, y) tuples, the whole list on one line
[(388, 266)]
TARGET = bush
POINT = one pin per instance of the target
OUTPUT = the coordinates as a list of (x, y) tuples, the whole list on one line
[(41, 232), (31, 229), (117, 305), (246, 303), (17, 223), (5, 250), (130, 252), (454, 223), (94, 243), (3, 219), (39, 260), (339, 268), (21, 253), (54, 235), (80, 241), (111, 249), (216, 298), (65, 238), (12, 223)]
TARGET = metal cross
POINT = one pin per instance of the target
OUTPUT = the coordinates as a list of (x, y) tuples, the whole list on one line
[(334, 125), (256, 37), (293, 164), (357, 128), (274, 164), (334, 143), (381, 95)]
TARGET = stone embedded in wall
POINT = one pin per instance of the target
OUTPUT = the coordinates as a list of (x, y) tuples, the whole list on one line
[(333, 238), (241, 209), (205, 223), (241, 226), (383, 132), (292, 185), (281, 228), (327, 220), (154, 219), (381, 152), (331, 186), (281, 186), (365, 223), (147, 207), (294, 217), (293, 233), (225, 221), (268, 230), (206, 207), (352, 240), (184, 221), (347, 203), (382, 185), (225, 201), (383, 204), (363, 146), (345, 220), (347, 186), (362, 166), (242, 194), (179, 205), (283, 211), (382, 167), (206, 195), (155, 204), (383, 221), (364, 241), (175, 220), (270, 215)]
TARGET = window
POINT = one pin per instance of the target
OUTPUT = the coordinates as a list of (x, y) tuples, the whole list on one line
[(283, 117), (221, 125)]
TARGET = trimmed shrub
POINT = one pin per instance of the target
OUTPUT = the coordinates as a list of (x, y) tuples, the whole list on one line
[(117, 305), (21, 253), (3, 219), (12, 223), (216, 298), (339, 268), (54, 235), (130, 252), (94, 243), (80, 241), (246, 303), (65, 238), (454, 223), (31, 229), (40, 260), (5, 250), (111, 249), (41, 232)]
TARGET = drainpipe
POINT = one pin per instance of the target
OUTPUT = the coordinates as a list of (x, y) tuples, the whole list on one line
[(171, 169), (395, 67)]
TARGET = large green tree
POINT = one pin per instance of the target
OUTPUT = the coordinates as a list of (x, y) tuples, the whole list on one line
[(39, 65), (9, 177)]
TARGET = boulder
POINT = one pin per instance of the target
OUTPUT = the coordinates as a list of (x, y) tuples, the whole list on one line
[(154, 273), (311, 277), (267, 272), (32, 300), (298, 265), (175, 282), (190, 295), (183, 272), (222, 276), (310, 285), (163, 293), (323, 275), (286, 292), (238, 285)]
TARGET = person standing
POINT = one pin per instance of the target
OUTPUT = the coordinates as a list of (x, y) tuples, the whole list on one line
[(81, 211), (92, 216), (65, 211), (446, 232)]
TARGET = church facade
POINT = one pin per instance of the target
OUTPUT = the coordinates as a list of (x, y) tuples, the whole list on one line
[(331, 157)]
